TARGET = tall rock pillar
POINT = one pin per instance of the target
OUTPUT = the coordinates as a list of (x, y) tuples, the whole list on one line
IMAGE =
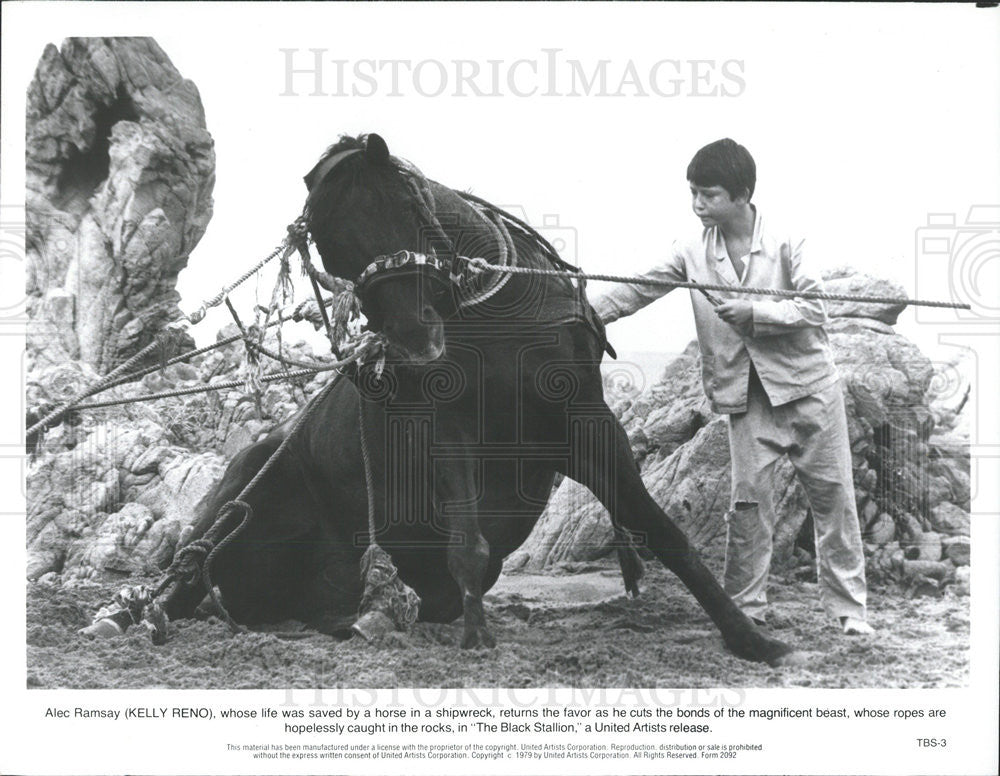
[(120, 171)]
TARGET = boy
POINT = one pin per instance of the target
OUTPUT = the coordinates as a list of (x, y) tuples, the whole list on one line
[(766, 364)]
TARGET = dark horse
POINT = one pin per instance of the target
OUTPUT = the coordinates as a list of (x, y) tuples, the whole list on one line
[(491, 388)]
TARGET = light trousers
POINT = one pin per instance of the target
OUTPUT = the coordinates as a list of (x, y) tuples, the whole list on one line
[(812, 432)]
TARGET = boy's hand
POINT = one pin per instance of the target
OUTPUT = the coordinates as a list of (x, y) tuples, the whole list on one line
[(738, 313)]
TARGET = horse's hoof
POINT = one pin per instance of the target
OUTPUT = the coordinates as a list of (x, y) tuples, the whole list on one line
[(155, 620), (372, 624), (102, 629), (793, 658), (478, 637)]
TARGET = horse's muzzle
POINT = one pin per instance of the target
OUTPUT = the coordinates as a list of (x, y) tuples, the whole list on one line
[(408, 354)]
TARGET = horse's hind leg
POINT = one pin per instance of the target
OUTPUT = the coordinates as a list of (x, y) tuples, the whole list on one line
[(629, 561), (468, 551), (602, 460), (182, 597)]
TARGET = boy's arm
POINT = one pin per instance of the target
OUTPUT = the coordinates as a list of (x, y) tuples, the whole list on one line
[(626, 298), (777, 317)]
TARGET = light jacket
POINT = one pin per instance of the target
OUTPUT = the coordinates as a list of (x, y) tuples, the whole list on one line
[(787, 346)]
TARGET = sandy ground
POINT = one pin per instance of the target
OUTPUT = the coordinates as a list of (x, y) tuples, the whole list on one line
[(562, 630)]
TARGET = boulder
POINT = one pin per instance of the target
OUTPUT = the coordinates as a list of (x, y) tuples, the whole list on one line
[(950, 519), (587, 538), (963, 578), (847, 280), (925, 547), (110, 546), (957, 549)]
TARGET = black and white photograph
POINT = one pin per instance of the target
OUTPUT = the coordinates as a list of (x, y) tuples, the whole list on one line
[(557, 387)]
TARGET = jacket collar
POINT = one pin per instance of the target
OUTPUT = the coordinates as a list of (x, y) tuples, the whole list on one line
[(719, 242)]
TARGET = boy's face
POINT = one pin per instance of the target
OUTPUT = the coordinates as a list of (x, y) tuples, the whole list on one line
[(713, 205)]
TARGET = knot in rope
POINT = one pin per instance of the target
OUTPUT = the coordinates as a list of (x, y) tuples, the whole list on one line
[(346, 311), (252, 340), (188, 560), (298, 231), (479, 264)]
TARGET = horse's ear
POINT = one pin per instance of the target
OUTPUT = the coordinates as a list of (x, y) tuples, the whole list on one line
[(376, 150)]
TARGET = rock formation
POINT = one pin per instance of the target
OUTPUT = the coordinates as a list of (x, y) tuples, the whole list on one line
[(120, 171)]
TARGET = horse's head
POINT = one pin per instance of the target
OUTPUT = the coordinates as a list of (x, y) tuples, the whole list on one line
[(371, 217)]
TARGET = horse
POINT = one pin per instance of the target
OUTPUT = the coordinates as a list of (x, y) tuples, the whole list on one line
[(491, 387)]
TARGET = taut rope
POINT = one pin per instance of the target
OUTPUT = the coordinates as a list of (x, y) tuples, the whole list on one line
[(311, 370), (479, 265)]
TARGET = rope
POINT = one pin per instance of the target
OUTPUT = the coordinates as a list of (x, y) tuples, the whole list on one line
[(215, 301), (480, 265), (94, 405), (288, 361), (132, 377), (364, 350), (99, 386), (369, 482), (385, 594)]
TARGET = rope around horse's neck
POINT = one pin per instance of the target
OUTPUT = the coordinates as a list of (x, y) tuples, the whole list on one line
[(506, 254), (479, 265)]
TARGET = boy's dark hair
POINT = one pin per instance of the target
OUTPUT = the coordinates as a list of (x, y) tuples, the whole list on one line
[(724, 163)]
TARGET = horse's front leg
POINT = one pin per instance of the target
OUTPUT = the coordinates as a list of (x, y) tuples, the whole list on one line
[(468, 551)]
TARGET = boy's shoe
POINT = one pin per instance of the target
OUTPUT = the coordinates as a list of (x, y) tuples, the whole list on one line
[(852, 626), (760, 622)]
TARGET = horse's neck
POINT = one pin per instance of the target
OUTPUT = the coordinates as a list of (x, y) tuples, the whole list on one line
[(461, 220), (498, 244)]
